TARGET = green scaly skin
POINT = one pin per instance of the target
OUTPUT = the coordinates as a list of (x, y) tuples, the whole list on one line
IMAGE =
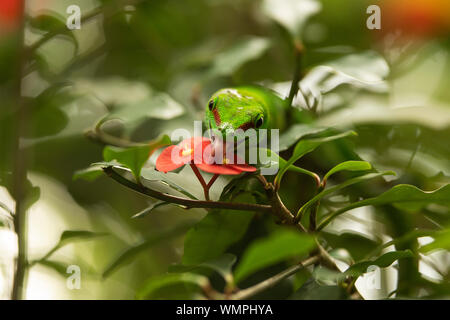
[(230, 109)]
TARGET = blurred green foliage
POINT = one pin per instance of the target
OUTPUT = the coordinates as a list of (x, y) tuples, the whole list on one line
[(134, 73)]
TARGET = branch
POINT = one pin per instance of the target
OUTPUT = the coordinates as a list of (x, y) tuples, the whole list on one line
[(188, 203), (270, 282), (277, 205)]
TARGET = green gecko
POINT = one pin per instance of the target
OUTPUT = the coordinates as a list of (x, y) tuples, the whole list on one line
[(243, 108)]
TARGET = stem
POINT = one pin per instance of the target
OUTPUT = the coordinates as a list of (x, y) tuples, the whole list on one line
[(20, 173), (277, 205), (98, 135), (299, 49), (213, 179), (315, 208), (270, 282), (313, 217), (202, 181), (188, 203), (326, 258)]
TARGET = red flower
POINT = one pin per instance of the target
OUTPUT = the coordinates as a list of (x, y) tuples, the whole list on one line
[(10, 14), (198, 150), (416, 18)]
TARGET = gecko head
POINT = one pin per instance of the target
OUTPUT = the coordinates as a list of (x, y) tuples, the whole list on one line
[(231, 109)]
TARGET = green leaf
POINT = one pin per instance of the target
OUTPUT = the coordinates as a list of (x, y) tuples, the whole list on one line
[(158, 106), (52, 22), (150, 174), (325, 276), (243, 51), (69, 236), (306, 146), (133, 102), (311, 290), (358, 245), (47, 118), (278, 247), (218, 230), (133, 158), (32, 193), (238, 185), (349, 166), (89, 174), (403, 195), (329, 277), (276, 160), (146, 211), (129, 253), (412, 235), (158, 282), (383, 261), (296, 132), (340, 187), (59, 267), (362, 70), (72, 235), (222, 265), (441, 241), (291, 14)]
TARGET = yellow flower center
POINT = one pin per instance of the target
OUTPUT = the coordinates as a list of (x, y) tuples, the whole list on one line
[(186, 152)]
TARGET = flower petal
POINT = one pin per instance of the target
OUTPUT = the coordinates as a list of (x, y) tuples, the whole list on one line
[(243, 167), (218, 169), (174, 157), (165, 163)]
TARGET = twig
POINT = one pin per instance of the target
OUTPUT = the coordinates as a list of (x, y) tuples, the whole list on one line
[(213, 179), (202, 181), (105, 138), (315, 208), (279, 209), (188, 203), (20, 172), (270, 282), (295, 87)]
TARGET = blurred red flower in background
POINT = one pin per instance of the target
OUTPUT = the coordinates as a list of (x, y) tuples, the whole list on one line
[(416, 18), (10, 13)]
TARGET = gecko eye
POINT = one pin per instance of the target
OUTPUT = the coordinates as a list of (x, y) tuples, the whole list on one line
[(211, 105), (259, 122)]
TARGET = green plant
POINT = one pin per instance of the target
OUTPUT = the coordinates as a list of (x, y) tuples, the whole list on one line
[(291, 235)]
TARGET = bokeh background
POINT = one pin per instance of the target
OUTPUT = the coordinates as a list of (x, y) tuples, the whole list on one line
[(150, 67)]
